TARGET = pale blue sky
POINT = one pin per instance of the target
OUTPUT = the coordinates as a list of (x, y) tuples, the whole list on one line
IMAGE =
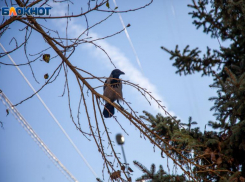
[(164, 23)]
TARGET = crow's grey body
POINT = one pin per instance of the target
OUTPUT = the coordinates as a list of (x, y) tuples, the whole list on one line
[(113, 91)]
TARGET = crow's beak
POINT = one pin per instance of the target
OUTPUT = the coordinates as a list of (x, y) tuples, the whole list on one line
[(122, 73)]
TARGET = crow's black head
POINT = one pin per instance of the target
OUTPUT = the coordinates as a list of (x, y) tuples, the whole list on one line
[(116, 73)]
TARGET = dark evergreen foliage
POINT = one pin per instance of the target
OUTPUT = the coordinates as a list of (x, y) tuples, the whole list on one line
[(159, 176), (219, 156)]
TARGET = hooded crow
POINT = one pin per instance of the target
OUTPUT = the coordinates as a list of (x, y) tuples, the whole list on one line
[(113, 91)]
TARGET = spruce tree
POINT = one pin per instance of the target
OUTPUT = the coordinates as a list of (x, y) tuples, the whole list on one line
[(218, 155)]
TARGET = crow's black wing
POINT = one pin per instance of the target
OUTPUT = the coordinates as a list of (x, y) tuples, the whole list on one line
[(115, 83)]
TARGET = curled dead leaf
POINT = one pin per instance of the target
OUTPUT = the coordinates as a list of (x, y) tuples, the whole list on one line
[(122, 168), (219, 161), (116, 174), (213, 157), (242, 179)]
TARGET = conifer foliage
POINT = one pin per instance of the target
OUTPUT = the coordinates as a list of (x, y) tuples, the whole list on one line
[(212, 155), (157, 176)]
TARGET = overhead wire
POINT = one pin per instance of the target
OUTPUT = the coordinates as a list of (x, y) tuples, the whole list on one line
[(188, 85), (35, 136), (51, 114), (192, 89)]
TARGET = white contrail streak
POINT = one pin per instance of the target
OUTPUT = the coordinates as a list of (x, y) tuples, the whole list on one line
[(128, 37), (46, 107), (172, 7)]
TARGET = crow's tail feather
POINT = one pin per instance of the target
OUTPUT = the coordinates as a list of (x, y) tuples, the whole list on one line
[(108, 110)]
